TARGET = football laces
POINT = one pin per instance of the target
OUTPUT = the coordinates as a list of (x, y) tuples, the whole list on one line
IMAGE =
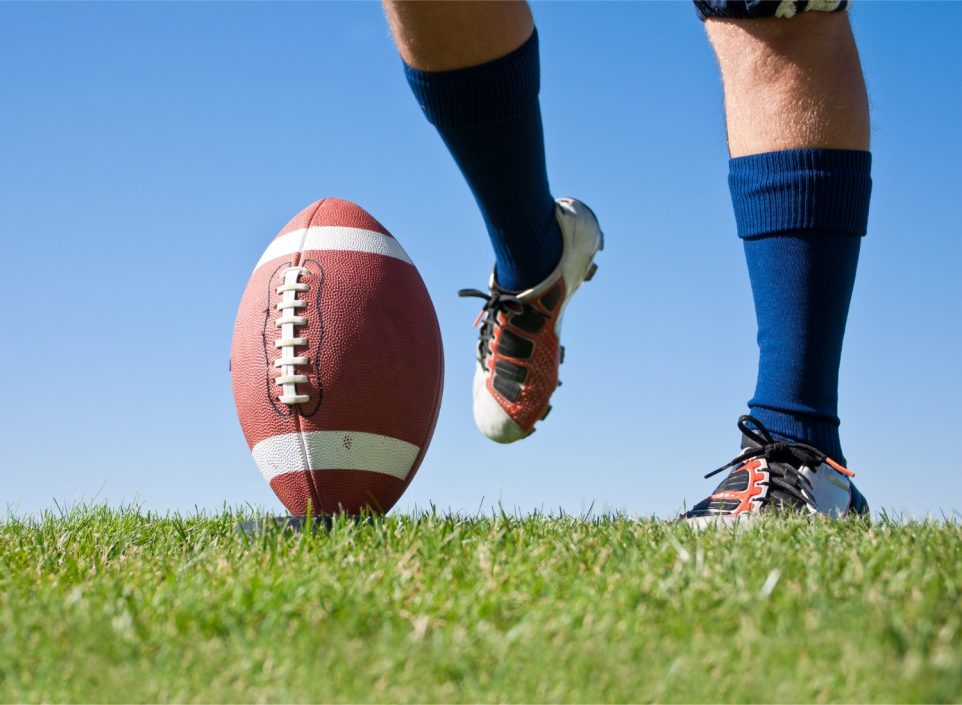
[(288, 321)]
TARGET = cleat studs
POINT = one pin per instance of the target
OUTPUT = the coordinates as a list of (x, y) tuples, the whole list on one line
[(562, 355), (591, 272), (546, 412), (560, 382)]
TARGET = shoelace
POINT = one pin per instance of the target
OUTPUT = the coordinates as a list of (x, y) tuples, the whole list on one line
[(495, 302), (787, 452)]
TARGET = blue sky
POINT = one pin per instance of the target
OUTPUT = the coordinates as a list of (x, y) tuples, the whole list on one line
[(149, 152)]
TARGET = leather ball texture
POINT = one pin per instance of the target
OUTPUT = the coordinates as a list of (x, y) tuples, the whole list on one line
[(336, 363)]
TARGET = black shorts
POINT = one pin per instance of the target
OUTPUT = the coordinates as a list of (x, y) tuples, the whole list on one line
[(753, 9)]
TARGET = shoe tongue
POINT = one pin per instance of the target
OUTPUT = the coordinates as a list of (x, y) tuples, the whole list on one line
[(748, 442), (497, 288)]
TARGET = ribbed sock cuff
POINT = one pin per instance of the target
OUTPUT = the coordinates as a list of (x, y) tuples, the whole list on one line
[(801, 189), (479, 95), (813, 430)]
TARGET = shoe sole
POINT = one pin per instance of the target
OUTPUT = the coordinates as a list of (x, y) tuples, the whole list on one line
[(721, 521), (744, 521)]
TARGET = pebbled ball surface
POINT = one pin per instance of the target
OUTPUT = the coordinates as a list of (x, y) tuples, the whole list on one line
[(375, 367)]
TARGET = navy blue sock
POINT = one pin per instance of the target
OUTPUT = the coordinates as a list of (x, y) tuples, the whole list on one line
[(490, 119), (801, 214)]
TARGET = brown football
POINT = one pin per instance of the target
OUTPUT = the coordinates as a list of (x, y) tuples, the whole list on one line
[(336, 363)]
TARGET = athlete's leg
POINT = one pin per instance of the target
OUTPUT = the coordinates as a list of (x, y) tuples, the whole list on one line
[(474, 68), (798, 134)]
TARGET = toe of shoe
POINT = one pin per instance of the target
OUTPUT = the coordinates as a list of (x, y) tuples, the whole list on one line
[(720, 521), (492, 420)]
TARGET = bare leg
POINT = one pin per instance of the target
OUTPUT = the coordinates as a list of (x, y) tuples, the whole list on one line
[(441, 36), (791, 83)]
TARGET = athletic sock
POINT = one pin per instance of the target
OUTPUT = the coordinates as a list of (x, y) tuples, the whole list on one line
[(801, 214), (490, 119)]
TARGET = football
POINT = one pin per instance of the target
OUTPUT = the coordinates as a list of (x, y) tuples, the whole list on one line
[(336, 363)]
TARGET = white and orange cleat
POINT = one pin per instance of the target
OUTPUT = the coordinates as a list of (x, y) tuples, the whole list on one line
[(773, 475), (519, 350)]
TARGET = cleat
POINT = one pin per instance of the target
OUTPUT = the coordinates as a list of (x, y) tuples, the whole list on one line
[(773, 475), (546, 412), (518, 349), (591, 271), (561, 356)]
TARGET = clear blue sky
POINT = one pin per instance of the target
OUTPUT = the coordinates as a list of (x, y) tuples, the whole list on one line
[(148, 153)]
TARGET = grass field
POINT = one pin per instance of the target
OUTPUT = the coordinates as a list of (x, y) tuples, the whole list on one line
[(99, 605)]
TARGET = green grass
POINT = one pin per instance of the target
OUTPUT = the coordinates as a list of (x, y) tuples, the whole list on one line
[(99, 605)]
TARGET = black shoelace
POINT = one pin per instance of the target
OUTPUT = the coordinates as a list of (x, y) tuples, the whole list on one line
[(495, 301), (785, 457)]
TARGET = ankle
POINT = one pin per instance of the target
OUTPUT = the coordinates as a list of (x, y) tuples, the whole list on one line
[(816, 431)]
